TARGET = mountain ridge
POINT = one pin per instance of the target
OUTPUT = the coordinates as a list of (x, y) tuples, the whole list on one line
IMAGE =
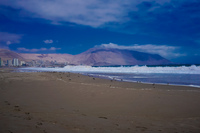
[(94, 57)]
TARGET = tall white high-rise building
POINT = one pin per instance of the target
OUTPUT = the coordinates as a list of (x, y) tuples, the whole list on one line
[(15, 62)]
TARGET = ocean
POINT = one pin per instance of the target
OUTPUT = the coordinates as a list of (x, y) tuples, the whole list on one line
[(174, 75)]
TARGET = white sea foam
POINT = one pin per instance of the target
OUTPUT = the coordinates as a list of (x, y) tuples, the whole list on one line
[(132, 69)]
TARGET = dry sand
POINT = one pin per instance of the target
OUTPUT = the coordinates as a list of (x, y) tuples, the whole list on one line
[(69, 103)]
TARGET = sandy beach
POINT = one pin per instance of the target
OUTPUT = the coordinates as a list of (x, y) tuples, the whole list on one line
[(50, 102)]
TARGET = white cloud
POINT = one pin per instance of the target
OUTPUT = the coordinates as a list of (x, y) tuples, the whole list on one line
[(163, 50), (38, 50), (48, 41), (9, 38), (53, 48), (93, 13), (8, 42)]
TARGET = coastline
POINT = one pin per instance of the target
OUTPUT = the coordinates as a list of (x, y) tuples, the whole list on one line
[(68, 102), (183, 76)]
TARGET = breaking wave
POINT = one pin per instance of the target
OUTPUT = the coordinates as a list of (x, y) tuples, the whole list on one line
[(125, 69)]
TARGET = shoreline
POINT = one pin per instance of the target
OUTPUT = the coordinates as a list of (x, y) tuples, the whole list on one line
[(122, 80), (49, 102)]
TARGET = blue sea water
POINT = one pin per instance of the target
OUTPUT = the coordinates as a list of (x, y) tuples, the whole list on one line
[(159, 78), (176, 75)]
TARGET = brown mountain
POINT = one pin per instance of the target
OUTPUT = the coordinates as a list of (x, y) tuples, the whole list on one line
[(93, 57), (106, 57)]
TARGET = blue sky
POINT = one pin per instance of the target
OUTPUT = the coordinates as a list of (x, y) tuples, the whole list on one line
[(170, 28)]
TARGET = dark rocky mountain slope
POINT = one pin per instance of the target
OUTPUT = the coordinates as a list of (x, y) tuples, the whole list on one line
[(105, 57)]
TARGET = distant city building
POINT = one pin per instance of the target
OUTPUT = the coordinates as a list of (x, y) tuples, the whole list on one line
[(0, 62), (15, 62), (33, 63), (22, 63), (9, 63)]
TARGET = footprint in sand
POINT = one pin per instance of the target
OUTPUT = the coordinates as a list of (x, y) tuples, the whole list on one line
[(27, 113), (6, 102), (10, 131), (102, 117), (17, 108), (39, 123), (142, 128), (28, 117)]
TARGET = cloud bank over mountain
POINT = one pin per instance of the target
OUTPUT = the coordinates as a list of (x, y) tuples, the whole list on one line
[(163, 50)]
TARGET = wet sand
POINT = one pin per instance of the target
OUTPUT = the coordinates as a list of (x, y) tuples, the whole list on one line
[(71, 103)]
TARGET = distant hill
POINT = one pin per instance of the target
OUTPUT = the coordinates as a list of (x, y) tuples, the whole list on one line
[(48, 57), (93, 57), (6, 54)]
